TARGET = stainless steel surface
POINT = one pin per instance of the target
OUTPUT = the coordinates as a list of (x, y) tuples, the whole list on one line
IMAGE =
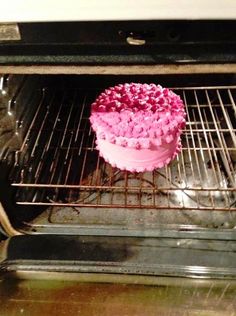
[(9, 32)]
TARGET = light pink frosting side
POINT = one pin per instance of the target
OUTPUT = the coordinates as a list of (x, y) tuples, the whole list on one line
[(136, 160)]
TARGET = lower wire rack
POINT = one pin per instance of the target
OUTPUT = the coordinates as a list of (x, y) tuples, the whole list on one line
[(58, 164)]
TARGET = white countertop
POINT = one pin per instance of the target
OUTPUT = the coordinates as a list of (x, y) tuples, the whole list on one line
[(87, 10)]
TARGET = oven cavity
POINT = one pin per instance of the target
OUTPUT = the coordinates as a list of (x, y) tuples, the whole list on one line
[(48, 144)]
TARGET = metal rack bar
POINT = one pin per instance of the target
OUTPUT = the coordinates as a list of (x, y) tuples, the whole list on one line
[(83, 203)]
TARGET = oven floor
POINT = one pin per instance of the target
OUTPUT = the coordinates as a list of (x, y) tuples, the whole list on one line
[(47, 294), (135, 222)]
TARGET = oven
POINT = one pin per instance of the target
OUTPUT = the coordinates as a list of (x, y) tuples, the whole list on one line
[(81, 237)]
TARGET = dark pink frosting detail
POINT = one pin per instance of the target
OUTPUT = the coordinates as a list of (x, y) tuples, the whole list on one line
[(138, 115)]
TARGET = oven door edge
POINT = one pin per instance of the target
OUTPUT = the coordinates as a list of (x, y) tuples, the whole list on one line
[(119, 255)]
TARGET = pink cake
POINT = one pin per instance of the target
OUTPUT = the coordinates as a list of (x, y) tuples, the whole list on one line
[(138, 126)]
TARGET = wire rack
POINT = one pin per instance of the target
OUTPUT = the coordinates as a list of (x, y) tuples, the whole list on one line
[(58, 164)]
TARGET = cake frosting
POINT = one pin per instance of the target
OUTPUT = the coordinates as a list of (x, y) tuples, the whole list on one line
[(138, 126)]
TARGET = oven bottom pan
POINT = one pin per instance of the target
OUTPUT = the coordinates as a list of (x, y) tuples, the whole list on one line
[(52, 163)]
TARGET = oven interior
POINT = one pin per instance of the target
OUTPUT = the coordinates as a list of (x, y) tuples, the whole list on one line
[(55, 182)]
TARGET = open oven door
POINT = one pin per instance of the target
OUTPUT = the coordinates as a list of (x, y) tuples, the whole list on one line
[(100, 275)]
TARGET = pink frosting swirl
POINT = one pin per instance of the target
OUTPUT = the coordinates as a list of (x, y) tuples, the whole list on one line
[(138, 115)]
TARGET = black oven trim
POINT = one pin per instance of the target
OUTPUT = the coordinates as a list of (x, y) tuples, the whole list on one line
[(122, 42)]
